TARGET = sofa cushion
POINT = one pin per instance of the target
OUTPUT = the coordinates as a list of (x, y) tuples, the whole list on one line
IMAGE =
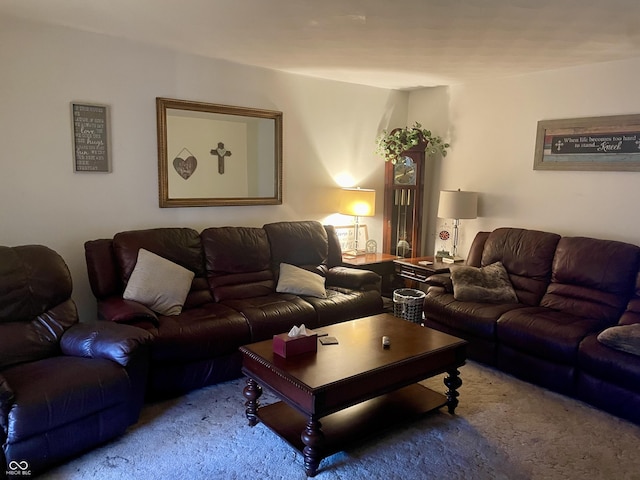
[(269, 315), (180, 245), (299, 281), (342, 304), (486, 284), (238, 262), (234, 250), (199, 333), (612, 366), (303, 243), (622, 337), (158, 283), (592, 278), (35, 303), (471, 318), (544, 333), (59, 390), (527, 255)]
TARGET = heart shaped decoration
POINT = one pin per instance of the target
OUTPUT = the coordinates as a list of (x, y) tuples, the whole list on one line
[(185, 167)]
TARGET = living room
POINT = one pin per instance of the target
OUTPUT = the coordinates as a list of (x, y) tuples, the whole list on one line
[(329, 131)]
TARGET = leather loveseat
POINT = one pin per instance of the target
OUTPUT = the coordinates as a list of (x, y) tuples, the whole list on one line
[(568, 290), (65, 386), (233, 298)]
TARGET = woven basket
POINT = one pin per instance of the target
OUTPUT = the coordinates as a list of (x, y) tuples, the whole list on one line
[(408, 303)]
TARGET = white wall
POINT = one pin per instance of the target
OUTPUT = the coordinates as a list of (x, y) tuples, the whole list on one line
[(493, 132), (329, 129), (430, 108)]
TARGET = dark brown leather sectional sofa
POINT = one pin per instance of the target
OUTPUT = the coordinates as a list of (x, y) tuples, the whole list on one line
[(569, 289), (233, 299)]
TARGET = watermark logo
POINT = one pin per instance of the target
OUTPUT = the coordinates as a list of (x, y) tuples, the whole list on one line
[(18, 468)]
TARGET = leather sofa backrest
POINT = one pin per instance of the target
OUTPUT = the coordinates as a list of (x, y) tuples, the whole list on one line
[(474, 259), (238, 262), (35, 303), (527, 255), (334, 258), (179, 245), (303, 243), (592, 278), (632, 312), (102, 268)]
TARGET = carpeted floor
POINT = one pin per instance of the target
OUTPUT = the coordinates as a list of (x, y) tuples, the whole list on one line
[(503, 429)]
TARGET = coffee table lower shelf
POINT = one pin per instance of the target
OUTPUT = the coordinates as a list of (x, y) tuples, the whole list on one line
[(350, 426)]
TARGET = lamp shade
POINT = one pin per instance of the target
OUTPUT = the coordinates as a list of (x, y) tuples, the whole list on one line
[(456, 204), (358, 202)]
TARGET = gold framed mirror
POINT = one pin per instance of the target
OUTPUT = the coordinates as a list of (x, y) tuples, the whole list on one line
[(212, 155)]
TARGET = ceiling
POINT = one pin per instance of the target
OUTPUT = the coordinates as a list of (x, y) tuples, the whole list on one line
[(396, 44)]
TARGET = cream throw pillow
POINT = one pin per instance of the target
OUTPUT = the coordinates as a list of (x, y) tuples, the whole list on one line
[(158, 283), (299, 281)]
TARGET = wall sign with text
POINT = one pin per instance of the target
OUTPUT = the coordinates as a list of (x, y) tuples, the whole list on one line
[(91, 147), (591, 143)]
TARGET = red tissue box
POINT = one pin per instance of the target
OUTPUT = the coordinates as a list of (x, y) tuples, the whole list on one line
[(287, 346)]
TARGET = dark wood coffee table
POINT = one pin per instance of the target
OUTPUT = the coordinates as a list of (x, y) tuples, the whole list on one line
[(356, 387)]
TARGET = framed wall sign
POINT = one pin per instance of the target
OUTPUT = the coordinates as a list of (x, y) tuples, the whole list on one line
[(90, 137), (212, 154), (590, 143)]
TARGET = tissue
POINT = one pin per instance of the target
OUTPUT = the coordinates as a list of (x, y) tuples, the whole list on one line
[(297, 331)]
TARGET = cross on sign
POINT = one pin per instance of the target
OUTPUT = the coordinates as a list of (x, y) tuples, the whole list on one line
[(221, 152), (559, 144)]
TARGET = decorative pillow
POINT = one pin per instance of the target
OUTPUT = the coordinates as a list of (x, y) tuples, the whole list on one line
[(299, 281), (622, 337), (158, 283), (489, 284)]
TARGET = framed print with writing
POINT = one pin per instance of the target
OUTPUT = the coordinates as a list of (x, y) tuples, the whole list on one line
[(590, 143), (90, 137), (347, 236)]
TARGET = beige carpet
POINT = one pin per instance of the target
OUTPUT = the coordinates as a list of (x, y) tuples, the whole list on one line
[(504, 429)]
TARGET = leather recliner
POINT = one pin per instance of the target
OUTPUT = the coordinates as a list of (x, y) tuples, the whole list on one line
[(65, 386)]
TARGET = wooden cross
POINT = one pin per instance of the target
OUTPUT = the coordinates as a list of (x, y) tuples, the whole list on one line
[(221, 152)]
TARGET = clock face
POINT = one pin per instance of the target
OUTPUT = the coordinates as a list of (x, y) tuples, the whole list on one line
[(404, 172)]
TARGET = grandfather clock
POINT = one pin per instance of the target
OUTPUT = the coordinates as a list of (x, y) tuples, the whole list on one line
[(403, 199)]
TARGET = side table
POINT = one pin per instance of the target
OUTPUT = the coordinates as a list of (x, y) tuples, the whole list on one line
[(380, 263)]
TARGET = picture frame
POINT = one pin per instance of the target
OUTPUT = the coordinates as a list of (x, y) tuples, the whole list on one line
[(609, 143), (217, 155), (90, 124), (346, 237)]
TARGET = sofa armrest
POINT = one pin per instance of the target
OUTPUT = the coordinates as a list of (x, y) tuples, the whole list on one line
[(440, 280), (111, 341), (119, 310), (353, 278)]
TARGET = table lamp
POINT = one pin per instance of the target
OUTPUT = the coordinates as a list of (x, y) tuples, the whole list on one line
[(457, 205), (357, 202)]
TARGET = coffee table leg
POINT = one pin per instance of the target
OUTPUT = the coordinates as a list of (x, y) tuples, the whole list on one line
[(252, 392), (453, 382), (313, 438)]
